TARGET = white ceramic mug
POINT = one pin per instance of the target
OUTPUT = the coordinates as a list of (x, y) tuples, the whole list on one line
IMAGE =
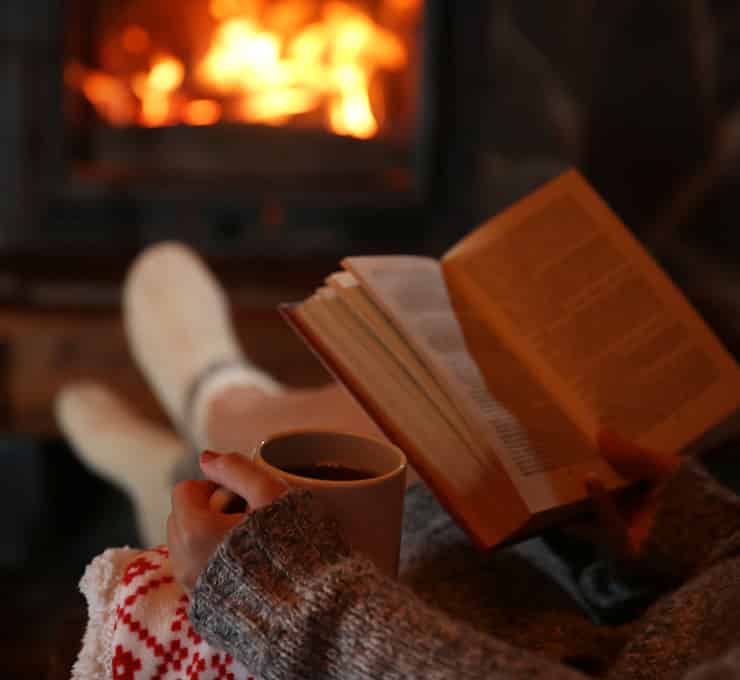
[(369, 511)]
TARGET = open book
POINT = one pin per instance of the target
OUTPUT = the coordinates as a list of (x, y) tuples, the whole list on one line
[(494, 368)]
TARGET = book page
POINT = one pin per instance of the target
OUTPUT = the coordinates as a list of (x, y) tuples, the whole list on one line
[(476, 490), (577, 298), (356, 302), (412, 293)]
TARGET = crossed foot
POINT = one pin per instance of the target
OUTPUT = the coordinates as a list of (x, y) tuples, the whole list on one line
[(179, 329)]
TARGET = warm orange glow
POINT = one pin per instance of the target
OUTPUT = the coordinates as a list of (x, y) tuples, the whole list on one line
[(202, 112), (266, 63), (277, 104), (110, 98), (404, 5), (222, 9), (166, 75), (351, 115), (155, 111), (241, 56), (154, 90), (135, 40)]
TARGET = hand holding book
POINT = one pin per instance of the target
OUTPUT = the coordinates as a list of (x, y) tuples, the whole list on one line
[(495, 367), (625, 523)]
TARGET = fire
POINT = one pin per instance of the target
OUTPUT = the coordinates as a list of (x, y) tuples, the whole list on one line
[(292, 64)]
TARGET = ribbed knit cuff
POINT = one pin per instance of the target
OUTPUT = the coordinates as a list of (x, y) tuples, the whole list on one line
[(697, 522), (214, 379), (243, 599)]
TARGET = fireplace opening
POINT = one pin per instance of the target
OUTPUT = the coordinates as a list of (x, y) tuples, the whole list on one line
[(284, 124), (335, 65)]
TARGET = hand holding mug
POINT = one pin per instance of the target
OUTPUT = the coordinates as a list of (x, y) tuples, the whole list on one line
[(200, 516), (625, 523), (359, 480)]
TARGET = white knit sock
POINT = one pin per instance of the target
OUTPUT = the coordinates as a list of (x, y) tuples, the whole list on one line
[(119, 445), (178, 324)]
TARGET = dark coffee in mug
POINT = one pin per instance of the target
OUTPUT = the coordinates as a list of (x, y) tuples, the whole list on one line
[(332, 472)]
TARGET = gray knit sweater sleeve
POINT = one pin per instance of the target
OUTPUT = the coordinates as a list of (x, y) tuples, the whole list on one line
[(284, 596), (697, 524)]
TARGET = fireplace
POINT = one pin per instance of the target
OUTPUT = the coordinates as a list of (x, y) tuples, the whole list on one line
[(348, 67), (457, 131), (288, 126), (273, 128)]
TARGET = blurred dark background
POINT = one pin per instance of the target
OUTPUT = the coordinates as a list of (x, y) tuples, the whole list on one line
[(496, 97)]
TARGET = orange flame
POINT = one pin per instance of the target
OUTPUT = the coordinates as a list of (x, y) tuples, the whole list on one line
[(300, 66)]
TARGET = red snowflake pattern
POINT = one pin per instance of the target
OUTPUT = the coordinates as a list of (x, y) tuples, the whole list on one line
[(124, 664), (158, 640), (138, 567)]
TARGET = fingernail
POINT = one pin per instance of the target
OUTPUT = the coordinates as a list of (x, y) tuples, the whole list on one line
[(208, 456)]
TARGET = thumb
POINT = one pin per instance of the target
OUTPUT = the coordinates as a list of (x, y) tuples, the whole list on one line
[(240, 475)]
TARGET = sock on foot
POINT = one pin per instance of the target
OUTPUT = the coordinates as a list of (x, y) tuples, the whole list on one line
[(178, 324), (125, 449)]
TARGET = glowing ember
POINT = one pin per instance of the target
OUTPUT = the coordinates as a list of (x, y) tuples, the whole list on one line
[(202, 112), (297, 62)]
